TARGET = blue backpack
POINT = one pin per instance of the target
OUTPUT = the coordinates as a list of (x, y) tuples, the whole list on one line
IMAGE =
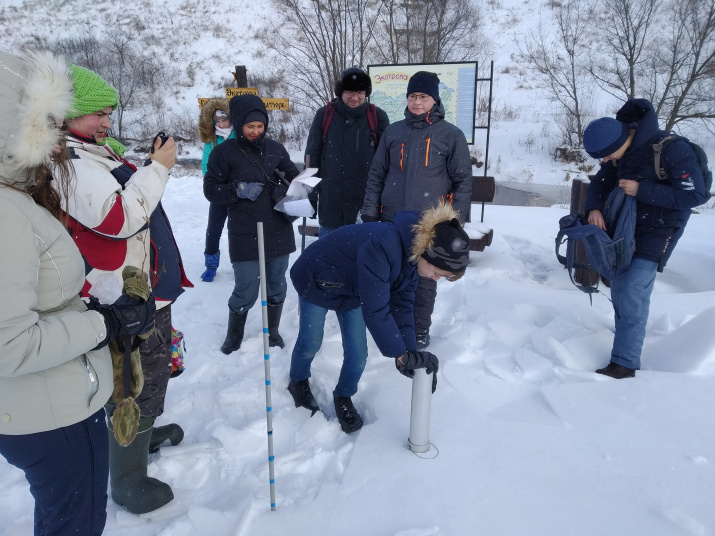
[(608, 254)]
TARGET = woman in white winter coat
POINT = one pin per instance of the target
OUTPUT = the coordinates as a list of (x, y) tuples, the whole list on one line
[(55, 369)]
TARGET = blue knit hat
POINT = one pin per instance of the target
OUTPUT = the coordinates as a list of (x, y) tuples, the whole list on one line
[(604, 136), (424, 82)]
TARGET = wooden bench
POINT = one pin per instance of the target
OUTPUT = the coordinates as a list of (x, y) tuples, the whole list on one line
[(483, 189)]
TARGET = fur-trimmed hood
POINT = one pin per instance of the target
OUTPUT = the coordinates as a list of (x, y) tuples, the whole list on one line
[(207, 128), (35, 92), (425, 228)]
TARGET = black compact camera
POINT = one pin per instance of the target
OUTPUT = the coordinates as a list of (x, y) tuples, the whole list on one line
[(163, 137)]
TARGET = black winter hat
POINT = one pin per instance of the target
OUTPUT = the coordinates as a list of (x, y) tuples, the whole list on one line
[(450, 247), (604, 136), (424, 82), (353, 79)]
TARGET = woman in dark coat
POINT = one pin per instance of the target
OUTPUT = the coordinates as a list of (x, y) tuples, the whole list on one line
[(245, 173)]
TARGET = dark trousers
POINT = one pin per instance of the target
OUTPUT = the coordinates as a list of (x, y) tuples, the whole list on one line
[(156, 365), (217, 219), (425, 296), (68, 471)]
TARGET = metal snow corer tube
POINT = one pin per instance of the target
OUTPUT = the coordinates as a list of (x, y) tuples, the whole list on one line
[(420, 413), (266, 362)]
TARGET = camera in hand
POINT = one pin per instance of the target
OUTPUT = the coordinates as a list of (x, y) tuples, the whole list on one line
[(163, 137)]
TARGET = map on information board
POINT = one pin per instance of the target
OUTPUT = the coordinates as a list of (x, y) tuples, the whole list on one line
[(457, 90)]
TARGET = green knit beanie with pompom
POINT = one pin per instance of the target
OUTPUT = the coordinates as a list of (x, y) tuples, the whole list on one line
[(91, 93)]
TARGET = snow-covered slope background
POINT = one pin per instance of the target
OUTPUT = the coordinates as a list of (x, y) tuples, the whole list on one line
[(526, 438)]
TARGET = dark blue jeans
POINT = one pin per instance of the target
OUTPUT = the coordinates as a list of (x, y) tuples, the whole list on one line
[(310, 339), (631, 302), (217, 219), (68, 471)]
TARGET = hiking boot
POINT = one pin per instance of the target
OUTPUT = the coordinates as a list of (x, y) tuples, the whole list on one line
[(422, 341), (348, 417), (303, 396), (159, 434), (616, 371)]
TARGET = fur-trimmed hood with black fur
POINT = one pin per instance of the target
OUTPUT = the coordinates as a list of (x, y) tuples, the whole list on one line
[(207, 128), (35, 92)]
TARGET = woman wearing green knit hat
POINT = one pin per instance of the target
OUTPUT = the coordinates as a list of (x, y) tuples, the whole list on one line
[(110, 205)]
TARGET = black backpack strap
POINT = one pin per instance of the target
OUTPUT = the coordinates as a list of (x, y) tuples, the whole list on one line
[(657, 152)]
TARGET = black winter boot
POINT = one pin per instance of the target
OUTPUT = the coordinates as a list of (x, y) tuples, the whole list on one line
[(303, 396), (348, 417), (274, 319), (234, 334), (131, 487), (171, 432), (617, 371)]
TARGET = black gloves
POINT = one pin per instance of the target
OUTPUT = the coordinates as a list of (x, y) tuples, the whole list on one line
[(126, 316), (412, 360), (368, 219)]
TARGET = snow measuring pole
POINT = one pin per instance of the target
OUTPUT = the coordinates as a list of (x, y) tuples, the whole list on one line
[(266, 362), (420, 413)]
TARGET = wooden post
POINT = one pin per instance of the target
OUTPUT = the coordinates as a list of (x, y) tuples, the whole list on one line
[(582, 276), (240, 76)]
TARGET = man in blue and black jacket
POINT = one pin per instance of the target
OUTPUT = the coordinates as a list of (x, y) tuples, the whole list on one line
[(370, 271), (625, 145)]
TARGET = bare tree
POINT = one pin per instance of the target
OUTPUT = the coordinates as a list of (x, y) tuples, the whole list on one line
[(560, 63), (317, 39), (430, 31), (624, 35), (683, 71)]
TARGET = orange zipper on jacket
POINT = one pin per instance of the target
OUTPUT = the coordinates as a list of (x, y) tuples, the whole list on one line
[(427, 152), (402, 155)]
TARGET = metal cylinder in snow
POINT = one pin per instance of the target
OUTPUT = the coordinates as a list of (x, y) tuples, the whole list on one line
[(420, 414)]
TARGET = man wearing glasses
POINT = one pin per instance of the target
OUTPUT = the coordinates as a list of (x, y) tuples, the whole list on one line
[(421, 161), (342, 142)]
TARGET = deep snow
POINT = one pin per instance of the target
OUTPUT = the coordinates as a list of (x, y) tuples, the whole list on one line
[(527, 440)]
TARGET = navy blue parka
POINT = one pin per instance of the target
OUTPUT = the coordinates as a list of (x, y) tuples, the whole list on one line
[(663, 205), (368, 266)]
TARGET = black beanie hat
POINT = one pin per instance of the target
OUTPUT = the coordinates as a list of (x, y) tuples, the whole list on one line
[(353, 79), (450, 247), (255, 115), (605, 136), (424, 82)]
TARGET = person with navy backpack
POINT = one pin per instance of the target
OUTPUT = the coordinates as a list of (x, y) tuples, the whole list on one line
[(342, 142), (625, 146)]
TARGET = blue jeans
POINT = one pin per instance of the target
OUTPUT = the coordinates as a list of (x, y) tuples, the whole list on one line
[(217, 218), (310, 338), (247, 283), (631, 302), (68, 473)]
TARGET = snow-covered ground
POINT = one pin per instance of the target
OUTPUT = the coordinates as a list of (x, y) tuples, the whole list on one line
[(526, 438)]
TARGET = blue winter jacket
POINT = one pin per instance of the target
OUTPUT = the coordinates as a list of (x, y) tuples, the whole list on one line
[(663, 205), (368, 266)]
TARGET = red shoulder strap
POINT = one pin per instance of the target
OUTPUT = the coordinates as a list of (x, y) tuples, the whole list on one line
[(327, 118), (372, 120)]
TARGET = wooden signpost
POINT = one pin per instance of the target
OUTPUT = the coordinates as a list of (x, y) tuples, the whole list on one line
[(240, 77)]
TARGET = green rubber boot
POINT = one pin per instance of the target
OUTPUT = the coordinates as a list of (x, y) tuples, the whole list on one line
[(131, 487)]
